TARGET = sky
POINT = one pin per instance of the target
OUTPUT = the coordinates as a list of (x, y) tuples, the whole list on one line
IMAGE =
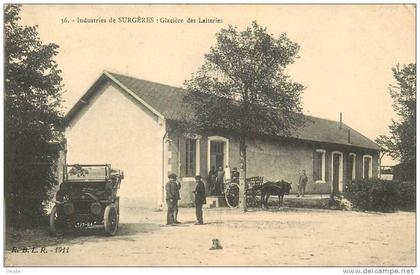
[(346, 54)]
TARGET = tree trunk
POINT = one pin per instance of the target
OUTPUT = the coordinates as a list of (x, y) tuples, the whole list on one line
[(242, 172)]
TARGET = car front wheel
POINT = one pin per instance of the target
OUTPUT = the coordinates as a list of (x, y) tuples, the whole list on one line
[(111, 220), (57, 226)]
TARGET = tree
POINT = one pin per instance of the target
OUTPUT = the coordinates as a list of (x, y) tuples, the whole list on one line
[(32, 97), (401, 144), (242, 87)]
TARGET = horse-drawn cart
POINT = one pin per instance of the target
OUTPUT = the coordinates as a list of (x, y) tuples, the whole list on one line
[(257, 192), (252, 191)]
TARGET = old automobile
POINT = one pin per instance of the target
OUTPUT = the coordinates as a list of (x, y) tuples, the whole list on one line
[(87, 198)]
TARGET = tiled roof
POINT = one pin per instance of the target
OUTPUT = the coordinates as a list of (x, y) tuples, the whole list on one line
[(168, 101), (325, 130)]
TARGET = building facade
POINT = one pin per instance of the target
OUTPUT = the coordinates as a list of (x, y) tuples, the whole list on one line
[(328, 166), (127, 122)]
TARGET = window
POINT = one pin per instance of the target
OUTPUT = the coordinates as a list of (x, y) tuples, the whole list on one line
[(352, 166), (190, 157), (319, 165), (367, 166)]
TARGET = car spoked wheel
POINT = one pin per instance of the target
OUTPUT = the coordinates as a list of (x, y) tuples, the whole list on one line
[(232, 195), (111, 220), (57, 225)]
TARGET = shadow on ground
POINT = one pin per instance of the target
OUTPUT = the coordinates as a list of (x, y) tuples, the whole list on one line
[(40, 236)]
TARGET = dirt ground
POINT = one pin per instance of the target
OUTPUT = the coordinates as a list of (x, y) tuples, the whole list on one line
[(285, 237)]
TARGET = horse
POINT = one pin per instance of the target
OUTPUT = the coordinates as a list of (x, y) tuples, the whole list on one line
[(279, 188)]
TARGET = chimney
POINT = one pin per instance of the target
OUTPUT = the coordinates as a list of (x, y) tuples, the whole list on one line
[(341, 120), (348, 136)]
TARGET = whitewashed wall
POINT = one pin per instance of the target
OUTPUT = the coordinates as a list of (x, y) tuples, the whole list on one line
[(114, 128)]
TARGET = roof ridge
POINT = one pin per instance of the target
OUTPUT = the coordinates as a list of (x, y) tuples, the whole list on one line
[(327, 119), (166, 101), (145, 80), (181, 90), (184, 90)]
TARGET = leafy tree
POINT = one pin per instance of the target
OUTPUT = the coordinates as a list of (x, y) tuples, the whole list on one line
[(401, 144), (32, 97), (242, 87)]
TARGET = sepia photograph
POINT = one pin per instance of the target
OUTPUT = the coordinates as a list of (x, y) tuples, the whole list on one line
[(210, 135)]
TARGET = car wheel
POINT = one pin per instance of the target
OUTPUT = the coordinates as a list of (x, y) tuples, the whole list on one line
[(57, 226), (111, 220)]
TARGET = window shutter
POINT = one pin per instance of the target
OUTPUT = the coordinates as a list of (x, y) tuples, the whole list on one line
[(348, 160), (327, 167), (187, 156), (316, 164)]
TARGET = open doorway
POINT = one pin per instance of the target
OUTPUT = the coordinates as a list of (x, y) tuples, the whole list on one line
[(337, 172), (217, 157)]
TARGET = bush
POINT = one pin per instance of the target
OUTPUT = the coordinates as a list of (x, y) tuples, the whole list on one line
[(373, 195), (339, 203), (405, 171), (407, 195)]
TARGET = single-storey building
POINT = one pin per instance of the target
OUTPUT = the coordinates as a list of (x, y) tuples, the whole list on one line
[(127, 121)]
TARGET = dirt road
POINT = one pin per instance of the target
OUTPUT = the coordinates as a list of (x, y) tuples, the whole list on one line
[(289, 237)]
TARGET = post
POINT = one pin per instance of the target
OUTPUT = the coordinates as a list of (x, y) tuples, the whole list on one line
[(348, 136), (341, 120), (242, 173)]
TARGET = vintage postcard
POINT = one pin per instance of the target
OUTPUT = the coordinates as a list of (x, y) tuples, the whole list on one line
[(206, 135)]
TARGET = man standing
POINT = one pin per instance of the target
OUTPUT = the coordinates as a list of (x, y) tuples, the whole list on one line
[(235, 175), (211, 180), (178, 186), (303, 180), (227, 173), (200, 199), (220, 181), (172, 196)]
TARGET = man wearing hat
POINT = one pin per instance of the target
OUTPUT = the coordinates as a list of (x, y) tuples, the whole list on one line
[(200, 199), (303, 180), (178, 186), (172, 197)]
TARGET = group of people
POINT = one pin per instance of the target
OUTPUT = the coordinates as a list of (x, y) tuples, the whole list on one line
[(172, 197), (216, 185), (217, 178)]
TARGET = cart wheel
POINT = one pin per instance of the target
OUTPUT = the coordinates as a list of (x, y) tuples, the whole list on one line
[(57, 227), (232, 195), (111, 220), (252, 200)]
